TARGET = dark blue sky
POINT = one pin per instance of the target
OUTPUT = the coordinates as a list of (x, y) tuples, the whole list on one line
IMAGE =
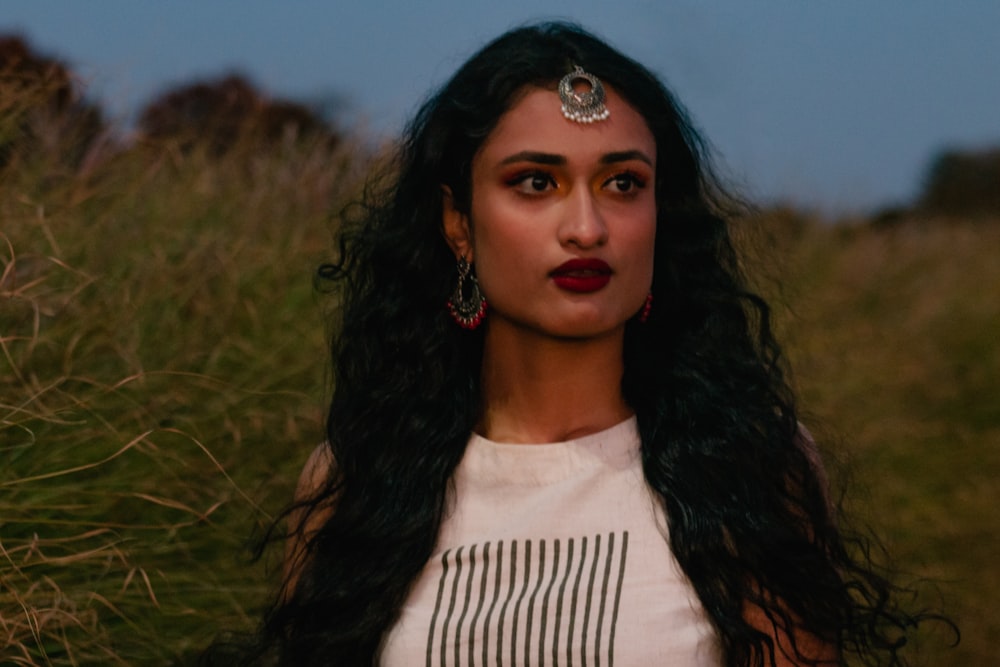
[(836, 105)]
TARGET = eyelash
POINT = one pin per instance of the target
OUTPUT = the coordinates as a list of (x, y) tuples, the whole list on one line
[(526, 181), (630, 177)]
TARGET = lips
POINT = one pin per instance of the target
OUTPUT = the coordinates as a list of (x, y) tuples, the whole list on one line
[(582, 275)]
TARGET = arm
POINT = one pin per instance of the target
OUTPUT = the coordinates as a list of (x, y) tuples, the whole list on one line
[(307, 516), (813, 649)]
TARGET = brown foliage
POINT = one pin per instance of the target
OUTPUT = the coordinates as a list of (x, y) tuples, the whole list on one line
[(961, 183), (42, 109), (219, 114)]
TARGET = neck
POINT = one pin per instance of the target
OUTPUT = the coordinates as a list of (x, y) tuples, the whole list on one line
[(539, 389)]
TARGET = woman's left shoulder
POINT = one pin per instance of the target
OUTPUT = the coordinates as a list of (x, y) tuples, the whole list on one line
[(806, 443)]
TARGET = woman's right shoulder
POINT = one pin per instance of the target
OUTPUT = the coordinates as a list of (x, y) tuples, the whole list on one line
[(310, 510), (316, 473)]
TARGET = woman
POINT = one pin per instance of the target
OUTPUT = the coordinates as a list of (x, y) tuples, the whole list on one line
[(560, 432)]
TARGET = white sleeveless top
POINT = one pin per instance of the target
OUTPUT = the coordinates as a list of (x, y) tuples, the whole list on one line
[(553, 554)]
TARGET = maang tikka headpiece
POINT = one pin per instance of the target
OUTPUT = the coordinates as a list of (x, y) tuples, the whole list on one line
[(586, 106)]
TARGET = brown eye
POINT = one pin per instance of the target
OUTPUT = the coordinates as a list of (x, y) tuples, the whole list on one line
[(534, 182), (625, 183), (539, 182)]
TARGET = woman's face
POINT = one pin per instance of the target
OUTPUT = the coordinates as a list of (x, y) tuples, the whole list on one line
[(562, 221)]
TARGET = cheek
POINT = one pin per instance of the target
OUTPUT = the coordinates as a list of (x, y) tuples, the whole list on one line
[(502, 260), (497, 255), (501, 239)]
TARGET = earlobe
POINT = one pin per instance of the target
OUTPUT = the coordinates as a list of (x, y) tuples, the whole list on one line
[(455, 226)]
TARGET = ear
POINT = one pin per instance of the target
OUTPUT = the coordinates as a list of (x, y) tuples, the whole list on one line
[(455, 225)]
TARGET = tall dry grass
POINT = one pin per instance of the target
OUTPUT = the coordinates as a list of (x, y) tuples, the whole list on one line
[(892, 334), (162, 357), (162, 377)]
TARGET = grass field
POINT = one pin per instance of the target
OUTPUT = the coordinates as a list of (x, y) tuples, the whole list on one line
[(893, 337), (163, 376), (161, 380)]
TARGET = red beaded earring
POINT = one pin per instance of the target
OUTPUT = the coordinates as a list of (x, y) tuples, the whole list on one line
[(648, 306), (468, 310)]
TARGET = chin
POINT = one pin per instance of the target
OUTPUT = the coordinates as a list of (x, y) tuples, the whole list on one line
[(589, 330)]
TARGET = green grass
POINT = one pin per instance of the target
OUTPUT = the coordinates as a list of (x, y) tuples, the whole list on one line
[(892, 337), (163, 376), (162, 370)]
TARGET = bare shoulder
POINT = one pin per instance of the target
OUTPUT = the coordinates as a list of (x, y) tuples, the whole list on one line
[(315, 473), (793, 646), (310, 511), (313, 501), (805, 441)]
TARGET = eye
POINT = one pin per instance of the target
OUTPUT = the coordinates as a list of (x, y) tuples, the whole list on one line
[(532, 182), (625, 182)]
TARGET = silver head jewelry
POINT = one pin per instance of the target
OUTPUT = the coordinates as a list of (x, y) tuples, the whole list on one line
[(582, 106)]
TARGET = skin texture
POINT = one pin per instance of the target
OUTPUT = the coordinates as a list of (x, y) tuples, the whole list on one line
[(546, 191)]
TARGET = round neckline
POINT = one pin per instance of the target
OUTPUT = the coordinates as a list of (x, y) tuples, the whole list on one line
[(533, 464), (583, 439)]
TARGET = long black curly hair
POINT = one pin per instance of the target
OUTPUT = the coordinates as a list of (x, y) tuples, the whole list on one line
[(749, 520)]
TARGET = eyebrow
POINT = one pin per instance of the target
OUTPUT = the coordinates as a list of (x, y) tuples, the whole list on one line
[(535, 156), (557, 160), (625, 156)]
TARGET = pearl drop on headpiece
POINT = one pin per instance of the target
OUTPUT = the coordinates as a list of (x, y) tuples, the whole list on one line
[(582, 107)]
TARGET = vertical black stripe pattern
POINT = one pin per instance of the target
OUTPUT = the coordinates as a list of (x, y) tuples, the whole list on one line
[(581, 561), (559, 604), (437, 605), (529, 603), (451, 604), (545, 601), (517, 607), (482, 598), (496, 596)]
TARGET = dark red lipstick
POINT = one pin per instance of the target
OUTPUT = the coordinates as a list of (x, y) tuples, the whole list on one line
[(582, 275)]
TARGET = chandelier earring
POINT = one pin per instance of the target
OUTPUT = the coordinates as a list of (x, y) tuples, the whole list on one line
[(467, 304)]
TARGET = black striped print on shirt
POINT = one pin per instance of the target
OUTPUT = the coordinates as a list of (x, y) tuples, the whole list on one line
[(529, 602)]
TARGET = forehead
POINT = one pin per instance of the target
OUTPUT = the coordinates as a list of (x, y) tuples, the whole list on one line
[(536, 123)]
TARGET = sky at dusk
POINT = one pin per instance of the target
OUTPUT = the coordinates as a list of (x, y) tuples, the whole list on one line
[(837, 106)]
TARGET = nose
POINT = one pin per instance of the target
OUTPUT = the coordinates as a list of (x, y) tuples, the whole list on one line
[(582, 224)]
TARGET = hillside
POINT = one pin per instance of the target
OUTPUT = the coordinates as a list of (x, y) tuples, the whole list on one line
[(163, 376)]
